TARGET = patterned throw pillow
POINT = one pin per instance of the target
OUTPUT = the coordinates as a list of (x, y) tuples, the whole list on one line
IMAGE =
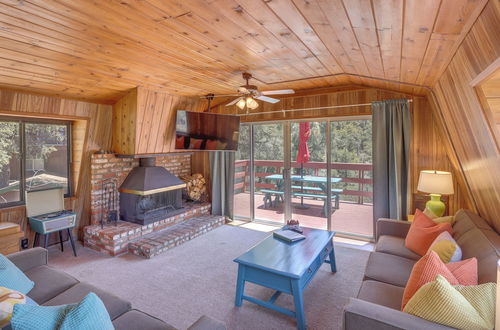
[(460, 307), (8, 298), (90, 313), (429, 266), (423, 231), (13, 278), (446, 248)]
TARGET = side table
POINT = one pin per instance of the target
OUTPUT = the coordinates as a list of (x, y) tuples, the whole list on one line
[(46, 224)]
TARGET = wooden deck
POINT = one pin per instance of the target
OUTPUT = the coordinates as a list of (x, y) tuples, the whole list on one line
[(349, 218)]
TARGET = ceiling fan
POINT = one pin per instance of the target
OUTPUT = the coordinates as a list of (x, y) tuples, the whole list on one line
[(248, 94)]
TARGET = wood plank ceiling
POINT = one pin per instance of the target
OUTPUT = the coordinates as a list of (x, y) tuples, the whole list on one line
[(98, 50)]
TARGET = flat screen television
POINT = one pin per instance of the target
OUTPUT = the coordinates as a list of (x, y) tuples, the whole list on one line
[(206, 131)]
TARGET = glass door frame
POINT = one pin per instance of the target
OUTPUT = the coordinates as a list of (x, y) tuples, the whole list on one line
[(287, 162)]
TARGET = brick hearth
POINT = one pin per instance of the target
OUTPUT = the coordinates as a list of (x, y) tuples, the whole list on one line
[(115, 240), (148, 240), (161, 241)]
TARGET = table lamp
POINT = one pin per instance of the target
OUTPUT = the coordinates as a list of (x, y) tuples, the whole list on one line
[(435, 183)]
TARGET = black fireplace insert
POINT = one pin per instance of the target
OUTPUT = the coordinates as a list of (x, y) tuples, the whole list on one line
[(150, 193)]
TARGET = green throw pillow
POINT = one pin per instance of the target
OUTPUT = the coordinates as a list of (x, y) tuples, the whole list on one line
[(89, 314), (460, 307), (13, 278)]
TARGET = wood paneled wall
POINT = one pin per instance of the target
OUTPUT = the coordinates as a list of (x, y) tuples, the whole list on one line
[(91, 132), (429, 152), (466, 127), (144, 121)]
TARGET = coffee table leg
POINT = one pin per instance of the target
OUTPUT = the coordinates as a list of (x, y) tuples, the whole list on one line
[(299, 305), (333, 264), (240, 285)]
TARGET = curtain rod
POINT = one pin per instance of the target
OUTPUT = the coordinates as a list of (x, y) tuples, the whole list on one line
[(307, 109)]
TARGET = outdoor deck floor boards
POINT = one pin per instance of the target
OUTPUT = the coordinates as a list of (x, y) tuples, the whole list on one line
[(350, 218)]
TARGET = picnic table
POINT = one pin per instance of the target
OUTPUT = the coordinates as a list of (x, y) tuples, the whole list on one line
[(319, 190)]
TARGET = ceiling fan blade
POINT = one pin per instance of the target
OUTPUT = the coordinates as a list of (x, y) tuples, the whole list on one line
[(279, 92), (267, 99), (233, 102), (221, 95)]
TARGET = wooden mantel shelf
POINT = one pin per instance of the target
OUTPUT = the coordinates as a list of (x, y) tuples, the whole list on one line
[(136, 156)]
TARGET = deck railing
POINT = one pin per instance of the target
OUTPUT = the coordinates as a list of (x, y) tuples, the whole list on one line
[(362, 178)]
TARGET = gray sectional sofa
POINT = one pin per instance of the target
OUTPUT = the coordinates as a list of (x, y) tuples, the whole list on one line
[(378, 303), (53, 287)]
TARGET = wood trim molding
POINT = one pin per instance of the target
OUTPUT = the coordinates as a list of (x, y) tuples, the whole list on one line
[(486, 73)]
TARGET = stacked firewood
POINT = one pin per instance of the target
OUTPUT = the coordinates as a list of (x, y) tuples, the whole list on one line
[(196, 188)]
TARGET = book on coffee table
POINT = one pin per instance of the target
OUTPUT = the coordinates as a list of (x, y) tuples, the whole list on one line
[(288, 235)]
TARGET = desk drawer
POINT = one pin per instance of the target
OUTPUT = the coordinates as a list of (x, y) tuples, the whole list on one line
[(311, 270), (325, 252)]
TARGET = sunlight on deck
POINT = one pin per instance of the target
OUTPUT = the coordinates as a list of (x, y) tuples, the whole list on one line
[(349, 218)]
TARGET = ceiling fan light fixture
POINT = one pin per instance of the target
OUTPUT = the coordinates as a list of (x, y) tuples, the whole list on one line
[(241, 104), (251, 103)]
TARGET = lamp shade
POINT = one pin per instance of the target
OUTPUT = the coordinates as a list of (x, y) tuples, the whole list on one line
[(435, 182), (241, 103)]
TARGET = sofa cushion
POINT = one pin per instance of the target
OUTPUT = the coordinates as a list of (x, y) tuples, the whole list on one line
[(135, 319), (388, 268), (115, 305), (49, 282), (396, 246), (381, 294)]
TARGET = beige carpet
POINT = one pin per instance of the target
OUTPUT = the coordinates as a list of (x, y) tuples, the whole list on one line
[(199, 278)]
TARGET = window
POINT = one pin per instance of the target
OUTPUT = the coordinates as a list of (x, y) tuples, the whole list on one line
[(34, 155)]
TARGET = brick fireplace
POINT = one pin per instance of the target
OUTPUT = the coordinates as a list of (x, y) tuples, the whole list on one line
[(108, 166), (149, 239)]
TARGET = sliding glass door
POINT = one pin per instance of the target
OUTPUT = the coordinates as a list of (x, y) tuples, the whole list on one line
[(317, 172), (309, 198), (242, 175), (351, 163), (268, 156)]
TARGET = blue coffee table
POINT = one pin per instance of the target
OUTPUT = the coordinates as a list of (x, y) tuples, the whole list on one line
[(286, 268)]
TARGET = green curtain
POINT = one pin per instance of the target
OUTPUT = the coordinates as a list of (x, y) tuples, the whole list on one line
[(222, 176), (391, 158)]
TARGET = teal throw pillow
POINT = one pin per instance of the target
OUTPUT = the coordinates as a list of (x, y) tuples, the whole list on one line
[(31, 317), (13, 278), (89, 314)]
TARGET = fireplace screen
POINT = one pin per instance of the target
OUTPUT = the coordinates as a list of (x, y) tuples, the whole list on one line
[(145, 209)]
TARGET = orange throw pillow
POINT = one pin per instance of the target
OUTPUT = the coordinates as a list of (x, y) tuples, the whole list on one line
[(424, 271), (465, 271), (423, 231), (430, 266)]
